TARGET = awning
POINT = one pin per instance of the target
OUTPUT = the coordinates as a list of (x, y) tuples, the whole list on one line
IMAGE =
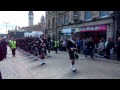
[(91, 30)]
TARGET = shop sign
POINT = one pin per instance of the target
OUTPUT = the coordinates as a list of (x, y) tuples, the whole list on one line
[(66, 30), (101, 27)]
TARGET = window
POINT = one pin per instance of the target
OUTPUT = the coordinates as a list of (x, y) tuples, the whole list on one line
[(75, 12), (53, 23), (60, 20), (76, 15), (79, 14), (104, 14), (65, 18), (88, 15), (49, 24)]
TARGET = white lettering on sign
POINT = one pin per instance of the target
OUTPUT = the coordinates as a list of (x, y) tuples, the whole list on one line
[(87, 28), (96, 27), (103, 27)]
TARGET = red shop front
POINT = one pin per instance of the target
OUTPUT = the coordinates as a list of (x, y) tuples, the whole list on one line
[(96, 32)]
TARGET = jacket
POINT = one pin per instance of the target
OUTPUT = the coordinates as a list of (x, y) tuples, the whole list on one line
[(13, 45)]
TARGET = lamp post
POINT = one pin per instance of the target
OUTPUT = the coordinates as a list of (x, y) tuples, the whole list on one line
[(6, 26), (56, 25), (75, 18)]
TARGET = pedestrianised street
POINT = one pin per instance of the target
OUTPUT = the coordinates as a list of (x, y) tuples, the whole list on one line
[(58, 66)]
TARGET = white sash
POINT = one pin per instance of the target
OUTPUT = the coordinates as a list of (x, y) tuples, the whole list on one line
[(72, 41), (41, 40)]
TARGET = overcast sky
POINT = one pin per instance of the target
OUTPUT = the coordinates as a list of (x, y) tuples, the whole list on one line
[(19, 18)]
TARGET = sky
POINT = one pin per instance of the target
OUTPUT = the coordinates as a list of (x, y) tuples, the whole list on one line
[(17, 18)]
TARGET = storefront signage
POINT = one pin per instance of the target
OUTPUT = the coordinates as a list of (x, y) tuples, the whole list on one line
[(94, 28), (66, 30)]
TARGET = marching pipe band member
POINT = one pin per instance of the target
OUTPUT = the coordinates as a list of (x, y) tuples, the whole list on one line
[(26, 45), (27, 41), (29, 46), (42, 56), (32, 48), (45, 41), (36, 49), (72, 47), (40, 41)]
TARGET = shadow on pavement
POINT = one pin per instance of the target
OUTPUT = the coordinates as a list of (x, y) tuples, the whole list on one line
[(37, 66)]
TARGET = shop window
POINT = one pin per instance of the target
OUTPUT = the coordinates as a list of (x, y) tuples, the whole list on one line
[(104, 14), (88, 15)]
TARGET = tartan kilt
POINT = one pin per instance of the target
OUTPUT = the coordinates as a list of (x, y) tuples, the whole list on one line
[(42, 56), (72, 55)]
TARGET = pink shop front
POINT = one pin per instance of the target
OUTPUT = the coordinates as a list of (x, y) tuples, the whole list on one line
[(96, 32)]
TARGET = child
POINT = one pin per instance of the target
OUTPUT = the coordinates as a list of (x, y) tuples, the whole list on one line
[(42, 53)]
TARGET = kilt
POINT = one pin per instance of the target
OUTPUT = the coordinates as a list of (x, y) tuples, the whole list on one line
[(72, 55), (42, 56)]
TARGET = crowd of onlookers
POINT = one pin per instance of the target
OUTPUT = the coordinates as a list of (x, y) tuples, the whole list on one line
[(104, 48)]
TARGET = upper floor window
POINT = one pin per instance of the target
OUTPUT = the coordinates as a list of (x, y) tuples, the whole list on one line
[(53, 23), (104, 14), (75, 12), (65, 18), (79, 14), (49, 24), (76, 15), (60, 20), (88, 15)]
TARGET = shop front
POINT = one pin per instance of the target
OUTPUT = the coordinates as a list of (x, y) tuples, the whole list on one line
[(96, 32), (67, 32)]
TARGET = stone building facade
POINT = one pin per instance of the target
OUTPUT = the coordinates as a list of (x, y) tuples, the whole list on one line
[(87, 21)]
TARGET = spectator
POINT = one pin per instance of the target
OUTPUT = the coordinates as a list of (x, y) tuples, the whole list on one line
[(101, 47), (90, 47), (118, 49), (109, 45), (1, 51)]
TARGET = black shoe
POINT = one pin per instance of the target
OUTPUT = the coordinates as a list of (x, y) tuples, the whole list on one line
[(44, 63), (41, 63)]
